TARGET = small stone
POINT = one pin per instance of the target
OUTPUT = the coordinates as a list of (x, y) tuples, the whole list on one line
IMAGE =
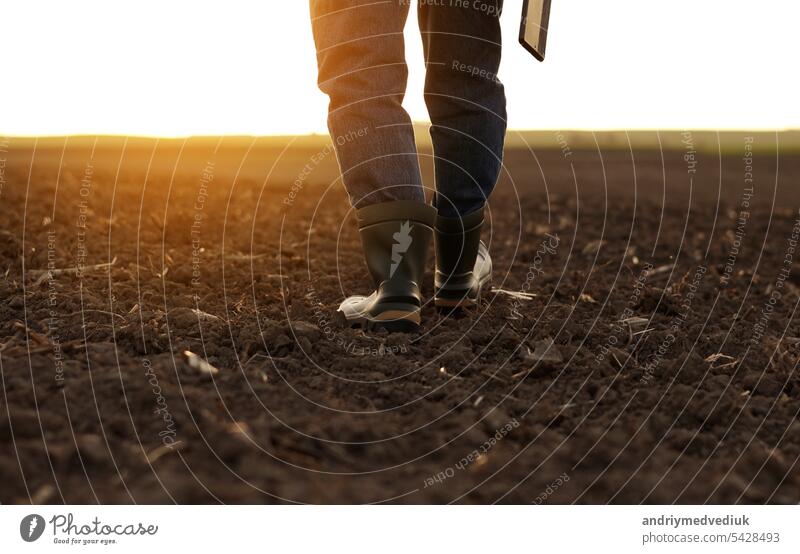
[(43, 494), (199, 365), (92, 448), (545, 354), (181, 274), (305, 329), (593, 247)]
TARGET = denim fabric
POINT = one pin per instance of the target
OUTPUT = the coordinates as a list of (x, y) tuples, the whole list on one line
[(362, 69)]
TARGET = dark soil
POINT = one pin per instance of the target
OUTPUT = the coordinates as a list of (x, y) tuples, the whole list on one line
[(546, 398)]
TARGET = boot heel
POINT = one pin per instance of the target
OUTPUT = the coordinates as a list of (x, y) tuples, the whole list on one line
[(452, 297), (397, 319), (395, 322), (454, 303)]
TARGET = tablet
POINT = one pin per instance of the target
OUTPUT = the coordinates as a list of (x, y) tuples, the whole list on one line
[(533, 29)]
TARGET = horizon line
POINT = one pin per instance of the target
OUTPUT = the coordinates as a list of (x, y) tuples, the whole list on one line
[(415, 124)]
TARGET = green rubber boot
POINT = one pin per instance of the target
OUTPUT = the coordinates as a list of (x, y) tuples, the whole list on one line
[(395, 237), (463, 265)]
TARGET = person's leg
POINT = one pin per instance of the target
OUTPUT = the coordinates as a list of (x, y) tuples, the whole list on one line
[(465, 100), (467, 106), (362, 68)]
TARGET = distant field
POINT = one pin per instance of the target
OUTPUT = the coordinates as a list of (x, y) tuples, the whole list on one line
[(672, 139), (601, 160)]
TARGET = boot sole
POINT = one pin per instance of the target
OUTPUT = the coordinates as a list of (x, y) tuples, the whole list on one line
[(394, 321), (461, 301)]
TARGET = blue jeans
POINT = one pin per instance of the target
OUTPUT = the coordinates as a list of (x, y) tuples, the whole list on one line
[(362, 69)]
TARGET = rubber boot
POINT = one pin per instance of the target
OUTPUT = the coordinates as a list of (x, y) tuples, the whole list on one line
[(463, 265), (395, 237)]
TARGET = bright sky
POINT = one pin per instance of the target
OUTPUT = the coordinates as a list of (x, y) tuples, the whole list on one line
[(173, 68)]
